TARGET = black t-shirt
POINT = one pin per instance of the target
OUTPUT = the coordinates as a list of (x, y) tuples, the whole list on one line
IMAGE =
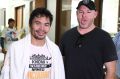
[(86, 54)]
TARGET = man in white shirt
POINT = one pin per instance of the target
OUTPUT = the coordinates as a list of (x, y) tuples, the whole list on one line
[(35, 56), (9, 34)]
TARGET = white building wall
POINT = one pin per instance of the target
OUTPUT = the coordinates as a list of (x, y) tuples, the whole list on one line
[(51, 5), (2, 19), (110, 15)]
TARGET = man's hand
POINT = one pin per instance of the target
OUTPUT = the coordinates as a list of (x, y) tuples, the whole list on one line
[(4, 51)]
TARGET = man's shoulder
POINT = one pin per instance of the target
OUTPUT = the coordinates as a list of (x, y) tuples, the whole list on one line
[(102, 32), (5, 29), (70, 32)]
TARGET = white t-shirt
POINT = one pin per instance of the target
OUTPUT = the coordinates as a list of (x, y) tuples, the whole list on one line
[(40, 62), (10, 35)]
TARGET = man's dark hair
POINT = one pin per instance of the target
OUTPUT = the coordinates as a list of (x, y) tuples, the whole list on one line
[(11, 20), (40, 12)]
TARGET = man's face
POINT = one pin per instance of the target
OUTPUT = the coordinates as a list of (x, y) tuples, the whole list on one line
[(40, 27), (85, 17), (11, 24)]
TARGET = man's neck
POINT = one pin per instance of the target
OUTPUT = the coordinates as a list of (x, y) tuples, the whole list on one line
[(85, 30), (10, 27), (37, 42)]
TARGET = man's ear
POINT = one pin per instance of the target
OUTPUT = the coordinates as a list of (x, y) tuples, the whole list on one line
[(96, 14)]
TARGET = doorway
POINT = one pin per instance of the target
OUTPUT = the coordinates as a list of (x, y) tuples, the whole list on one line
[(19, 17)]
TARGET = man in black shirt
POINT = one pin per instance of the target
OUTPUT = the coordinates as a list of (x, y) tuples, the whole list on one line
[(88, 48)]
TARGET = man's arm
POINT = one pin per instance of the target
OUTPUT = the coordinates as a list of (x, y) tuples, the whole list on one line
[(111, 70), (2, 45), (3, 40)]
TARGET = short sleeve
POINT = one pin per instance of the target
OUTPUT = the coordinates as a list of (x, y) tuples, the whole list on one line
[(109, 50), (3, 32)]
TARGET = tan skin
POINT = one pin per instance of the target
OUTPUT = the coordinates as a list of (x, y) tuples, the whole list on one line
[(39, 29), (85, 18), (11, 24)]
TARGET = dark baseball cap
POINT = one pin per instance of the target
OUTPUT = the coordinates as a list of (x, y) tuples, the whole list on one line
[(90, 4)]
